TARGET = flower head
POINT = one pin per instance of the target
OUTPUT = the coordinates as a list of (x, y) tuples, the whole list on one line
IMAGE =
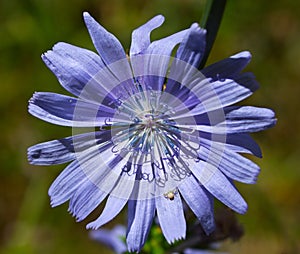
[(149, 130)]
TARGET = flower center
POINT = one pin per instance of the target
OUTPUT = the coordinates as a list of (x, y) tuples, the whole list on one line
[(149, 121), (147, 130)]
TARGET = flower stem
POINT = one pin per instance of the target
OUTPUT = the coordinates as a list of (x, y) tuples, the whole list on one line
[(211, 21)]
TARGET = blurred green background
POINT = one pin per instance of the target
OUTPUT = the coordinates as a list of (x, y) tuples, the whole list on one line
[(269, 29)]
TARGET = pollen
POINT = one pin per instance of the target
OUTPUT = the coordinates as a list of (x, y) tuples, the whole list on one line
[(171, 194)]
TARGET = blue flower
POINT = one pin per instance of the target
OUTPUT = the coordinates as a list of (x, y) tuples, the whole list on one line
[(149, 130), (111, 238)]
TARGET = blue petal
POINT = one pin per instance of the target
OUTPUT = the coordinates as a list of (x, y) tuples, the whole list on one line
[(111, 238), (112, 208), (117, 199), (245, 119), (248, 119), (68, 111), (219, 186), (247, 79), (219, 94), (228, 68), (51, 152), (214, 95), (140, 39), (200, 202), (184, 66), (243, 143), (151, 68), (140, 217), (87, 197), (111, 52), (103, 171), (192, 48), (63, 150), (240, 142), (78, 181), (171, 218), (230, 163), (73, 66), (107, 45), (66, 184), (166, 45)]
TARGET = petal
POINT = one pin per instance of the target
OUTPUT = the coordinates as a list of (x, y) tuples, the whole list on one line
[(51, 152), (115, 202), (68, 111), (192, 48), (200, 202), (140, 39), (243, 143), (219, 94), (229, 67), (86, 199), (214, 95), (248, 119), (151, 67), (107, 45), (140, 217), (102, 169), (110, 50), (230, 163), (218, 185), (171, 218), (111, 238), (244, 119), (63, 150), (73, 66), (101, 165), (83, 73), (112, 208), (240, 142), (247, 79), (66, 184), (166, 45)]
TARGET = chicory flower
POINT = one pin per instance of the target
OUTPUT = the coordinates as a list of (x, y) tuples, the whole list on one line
[(149, 130)]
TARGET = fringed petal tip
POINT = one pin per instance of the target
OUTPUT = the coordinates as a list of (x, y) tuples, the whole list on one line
[(75, 214), (198, 28), (34, 157), (31, 155), (33, 97), (33, 100), (173, 240), (53, 203), (92, 226), (55, 199), (31, 104), (59, 46)]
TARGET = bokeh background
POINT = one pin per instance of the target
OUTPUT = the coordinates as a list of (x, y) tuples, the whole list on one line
[(269, 29)]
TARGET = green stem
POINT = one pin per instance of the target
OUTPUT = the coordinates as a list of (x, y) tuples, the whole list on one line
[(211, 22)]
